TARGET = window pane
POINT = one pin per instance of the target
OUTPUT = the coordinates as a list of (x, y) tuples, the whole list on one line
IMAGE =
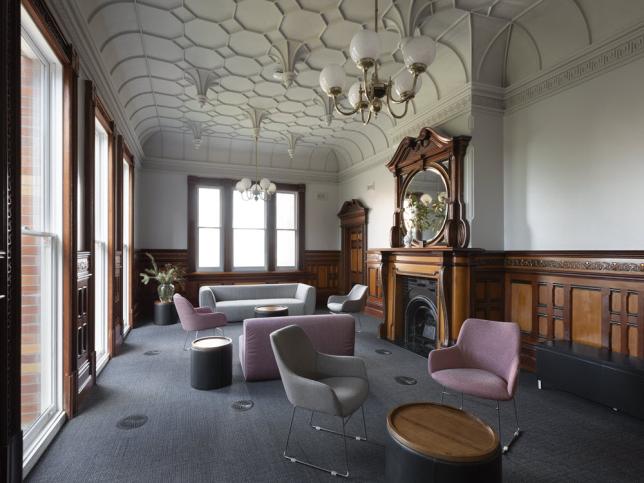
[(209, 248), (36, 259), (210, 207), (285, 210), (285, 248), (249, 247), (248, 214)]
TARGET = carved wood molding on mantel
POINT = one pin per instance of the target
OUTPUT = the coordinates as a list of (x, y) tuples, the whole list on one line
[(577, 265)]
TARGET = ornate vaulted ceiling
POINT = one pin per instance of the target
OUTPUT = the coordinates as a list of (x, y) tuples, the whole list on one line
[(148, 47)]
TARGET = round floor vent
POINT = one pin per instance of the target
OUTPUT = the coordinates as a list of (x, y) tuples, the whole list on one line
[(152, 353), (383, 352), (243, 405), (132, 422), (406, 381)]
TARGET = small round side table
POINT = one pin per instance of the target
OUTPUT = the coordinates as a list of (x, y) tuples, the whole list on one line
[(211, 362), (165, 313), (271, 311)]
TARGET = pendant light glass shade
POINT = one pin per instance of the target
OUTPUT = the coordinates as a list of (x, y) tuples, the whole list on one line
[(354, 95), (404, 83), (418, 50), (332, 76), (365, 45)]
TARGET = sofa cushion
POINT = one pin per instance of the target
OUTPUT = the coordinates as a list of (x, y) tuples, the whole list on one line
[(254, 292), (329, 333)]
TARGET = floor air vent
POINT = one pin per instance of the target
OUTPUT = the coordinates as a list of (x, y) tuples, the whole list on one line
[(132, 422), (243, 405)]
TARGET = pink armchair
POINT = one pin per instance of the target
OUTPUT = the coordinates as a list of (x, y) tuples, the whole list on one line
[(483, 363), (196, 319)]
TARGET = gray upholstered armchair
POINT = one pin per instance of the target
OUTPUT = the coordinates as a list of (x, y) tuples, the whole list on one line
[(352, 303), (334, 385)]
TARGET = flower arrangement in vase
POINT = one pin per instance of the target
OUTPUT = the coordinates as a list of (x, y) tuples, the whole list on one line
[(166, 277), (422, 212)]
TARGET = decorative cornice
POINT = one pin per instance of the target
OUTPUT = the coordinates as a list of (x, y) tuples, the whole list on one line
[(456, 104), (582, 265), (77, 31), (595, 60), (236, 171)]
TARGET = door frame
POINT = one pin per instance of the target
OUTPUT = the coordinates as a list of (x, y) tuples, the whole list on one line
[(353, 214)]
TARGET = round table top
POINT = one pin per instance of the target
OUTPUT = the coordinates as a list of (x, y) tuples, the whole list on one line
[(271, 308), (442, 432), (212, 342)]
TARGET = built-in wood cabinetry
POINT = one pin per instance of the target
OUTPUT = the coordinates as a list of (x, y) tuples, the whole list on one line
[(593, 298)]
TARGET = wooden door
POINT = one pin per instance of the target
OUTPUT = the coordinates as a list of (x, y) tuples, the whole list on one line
[(353, 221)]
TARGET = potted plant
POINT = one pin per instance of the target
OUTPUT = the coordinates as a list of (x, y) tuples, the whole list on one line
[(166, 277), (422, 212)]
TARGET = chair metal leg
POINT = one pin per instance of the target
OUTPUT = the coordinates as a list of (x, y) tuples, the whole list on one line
[(498, 415), (442, 394), (345, 421), (517, 432), (185, 342), (311, 465), (461, 401)]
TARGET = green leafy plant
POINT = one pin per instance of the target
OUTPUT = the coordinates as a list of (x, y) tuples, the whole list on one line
[(169, 274), (424, 212)]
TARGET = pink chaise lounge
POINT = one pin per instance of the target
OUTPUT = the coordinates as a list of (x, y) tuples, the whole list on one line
[(330, 334)]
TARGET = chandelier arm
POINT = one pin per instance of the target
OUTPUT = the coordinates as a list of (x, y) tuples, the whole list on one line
[(404, 113), (344, 113), (365, 82), (390, 96), (368, 119)]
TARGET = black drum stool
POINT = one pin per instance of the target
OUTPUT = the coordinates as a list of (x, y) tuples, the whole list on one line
[(211, 362)]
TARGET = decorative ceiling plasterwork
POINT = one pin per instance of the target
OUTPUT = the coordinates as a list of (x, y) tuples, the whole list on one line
[(234, 49)]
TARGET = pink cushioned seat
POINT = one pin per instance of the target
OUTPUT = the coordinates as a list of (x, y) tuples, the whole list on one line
[(476, 382)]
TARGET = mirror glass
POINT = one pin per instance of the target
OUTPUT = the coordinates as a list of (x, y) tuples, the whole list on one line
[(425, 205)]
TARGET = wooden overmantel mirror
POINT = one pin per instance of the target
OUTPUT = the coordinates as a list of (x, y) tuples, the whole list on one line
[(429, 191)]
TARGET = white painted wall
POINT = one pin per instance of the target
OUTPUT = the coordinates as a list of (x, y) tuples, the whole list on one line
[(161, 204), (380, 201), (574, 167)]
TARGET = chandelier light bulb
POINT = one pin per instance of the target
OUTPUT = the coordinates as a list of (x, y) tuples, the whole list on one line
[(272, 188), (264, 183), (246, 183), (418, 50), (404, 83), (332, 78), (365, 45), (354, 95)]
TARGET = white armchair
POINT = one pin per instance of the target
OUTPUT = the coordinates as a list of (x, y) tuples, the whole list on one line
[(352, 303)]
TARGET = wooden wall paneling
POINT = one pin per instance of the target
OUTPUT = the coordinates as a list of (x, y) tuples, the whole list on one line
[(325, 266), (10, 304), (375, 298), (86, 376), (587, 308)]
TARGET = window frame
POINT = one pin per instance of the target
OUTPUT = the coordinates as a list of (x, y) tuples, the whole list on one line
[(227, 187), (219, 268)]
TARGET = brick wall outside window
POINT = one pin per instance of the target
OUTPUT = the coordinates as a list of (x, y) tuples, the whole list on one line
[(31, 180)]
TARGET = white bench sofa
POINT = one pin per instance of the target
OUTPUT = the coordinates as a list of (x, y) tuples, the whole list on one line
[(238, 302)]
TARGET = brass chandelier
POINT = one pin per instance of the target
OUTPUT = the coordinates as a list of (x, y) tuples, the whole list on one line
[(369, 94)]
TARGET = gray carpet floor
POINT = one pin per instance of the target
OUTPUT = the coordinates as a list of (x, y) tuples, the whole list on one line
[(195, 436)]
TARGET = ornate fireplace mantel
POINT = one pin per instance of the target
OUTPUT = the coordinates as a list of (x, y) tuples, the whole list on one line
[(449, 267)]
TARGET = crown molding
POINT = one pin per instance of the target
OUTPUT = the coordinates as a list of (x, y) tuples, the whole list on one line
[(77, 30), (234, 170), (446, 109), (591, 62)]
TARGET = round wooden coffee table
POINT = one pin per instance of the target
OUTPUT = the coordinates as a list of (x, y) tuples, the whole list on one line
[(271, 311), (432, 442)]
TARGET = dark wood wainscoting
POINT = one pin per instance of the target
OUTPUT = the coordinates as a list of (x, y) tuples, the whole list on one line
[(589, 297), (321, 269), (325, 266)]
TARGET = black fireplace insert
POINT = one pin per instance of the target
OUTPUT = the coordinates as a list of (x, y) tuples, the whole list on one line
[(421, 315)]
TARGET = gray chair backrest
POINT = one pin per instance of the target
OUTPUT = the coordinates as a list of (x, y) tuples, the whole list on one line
[(294, 353), (358, 292)]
